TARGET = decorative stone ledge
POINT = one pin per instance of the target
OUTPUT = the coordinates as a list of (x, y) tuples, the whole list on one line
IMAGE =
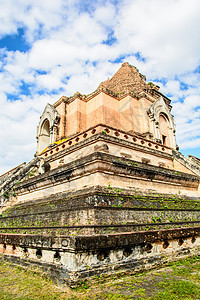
[(71, 259), (110, 132)]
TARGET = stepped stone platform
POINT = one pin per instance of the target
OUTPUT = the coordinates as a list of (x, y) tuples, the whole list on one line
[(75, 235), (107, 191)]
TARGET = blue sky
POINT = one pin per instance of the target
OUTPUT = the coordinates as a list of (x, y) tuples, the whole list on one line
[(52, 48)]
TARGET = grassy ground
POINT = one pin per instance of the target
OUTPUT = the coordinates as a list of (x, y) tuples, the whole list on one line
[(178, 280)]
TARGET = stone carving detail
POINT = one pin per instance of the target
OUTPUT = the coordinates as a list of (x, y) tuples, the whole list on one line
[(43, 167), (47, 128), (159, 112), (8, 182)]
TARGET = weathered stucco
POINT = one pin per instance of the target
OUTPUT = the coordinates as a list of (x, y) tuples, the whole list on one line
[(107, 191), (69, 259), (124, 102)]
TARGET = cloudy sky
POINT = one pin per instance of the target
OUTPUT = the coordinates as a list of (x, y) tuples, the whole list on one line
[(50, 48)]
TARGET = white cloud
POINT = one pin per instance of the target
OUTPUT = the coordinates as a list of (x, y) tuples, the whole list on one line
[(188, 121), (106, 15), (67, 41), (165, 32)]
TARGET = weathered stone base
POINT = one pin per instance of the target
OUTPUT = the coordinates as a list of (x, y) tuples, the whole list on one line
[(102, 212), (106, 170), (71, 259)]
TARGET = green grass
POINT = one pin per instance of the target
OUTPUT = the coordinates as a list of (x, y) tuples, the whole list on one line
[(178, 280)]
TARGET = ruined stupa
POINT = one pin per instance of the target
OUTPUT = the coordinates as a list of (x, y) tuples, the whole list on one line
[(107, 191)]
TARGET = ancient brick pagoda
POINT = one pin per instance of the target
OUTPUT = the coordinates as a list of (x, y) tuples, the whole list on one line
[(124, 102), (107, 191)]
